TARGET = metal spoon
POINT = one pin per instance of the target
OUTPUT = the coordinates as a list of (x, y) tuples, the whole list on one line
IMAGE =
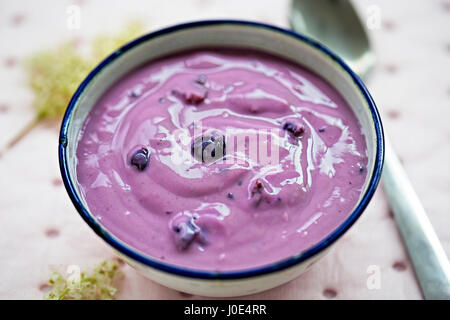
[(337, 24)]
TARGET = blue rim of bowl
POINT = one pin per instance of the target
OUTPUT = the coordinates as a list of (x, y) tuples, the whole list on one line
[(218, 275)]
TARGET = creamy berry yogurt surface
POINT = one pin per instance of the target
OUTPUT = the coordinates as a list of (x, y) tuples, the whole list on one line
[(221, 159)]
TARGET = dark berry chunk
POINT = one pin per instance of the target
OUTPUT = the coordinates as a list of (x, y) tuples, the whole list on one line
[(185, 233), (258, 187), (257, 193), (208, 148), (260, 195), (322, 129), (361, 168), (134, 94), (230, 195), (193, 98), (140, 159), (293, 129)]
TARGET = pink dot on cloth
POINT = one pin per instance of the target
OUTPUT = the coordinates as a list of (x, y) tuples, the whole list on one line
[(57, 182), (330, 293), (184, 294), (4, 108), (52, 233), (388, 25), (17, 19), (10, 62), (399, 266), (45, 287), (391, 68), (393, 114)]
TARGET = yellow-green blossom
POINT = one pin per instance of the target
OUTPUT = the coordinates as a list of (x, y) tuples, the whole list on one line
[(99, 284)]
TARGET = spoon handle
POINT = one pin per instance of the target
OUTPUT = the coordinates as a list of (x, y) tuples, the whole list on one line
[(430, 262)]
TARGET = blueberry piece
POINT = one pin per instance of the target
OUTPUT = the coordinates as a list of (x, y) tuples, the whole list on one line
[(201, 80), (208, 148), (260, 194), (361, 168), (134, 94), (257, 193), (185, 234), (193, 98), (293, 129), (258, 187), (230, 195), (190, 98), (289, 126), (322, 129), (140, 159)]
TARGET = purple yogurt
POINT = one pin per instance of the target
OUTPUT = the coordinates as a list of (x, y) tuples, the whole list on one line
[(174, 161)]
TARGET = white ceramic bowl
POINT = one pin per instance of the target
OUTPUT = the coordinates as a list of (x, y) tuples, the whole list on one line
[(223, 33)]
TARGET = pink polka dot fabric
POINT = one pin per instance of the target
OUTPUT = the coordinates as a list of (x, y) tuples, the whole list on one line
[(42, 231)]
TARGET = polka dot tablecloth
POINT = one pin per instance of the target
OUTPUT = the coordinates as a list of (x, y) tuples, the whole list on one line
[(41, 230)]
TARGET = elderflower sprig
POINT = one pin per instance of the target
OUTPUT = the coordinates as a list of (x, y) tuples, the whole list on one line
[(99, 284), (55, 74)]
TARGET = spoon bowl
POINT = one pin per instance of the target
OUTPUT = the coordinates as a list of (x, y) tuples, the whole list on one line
[(336, 24)]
